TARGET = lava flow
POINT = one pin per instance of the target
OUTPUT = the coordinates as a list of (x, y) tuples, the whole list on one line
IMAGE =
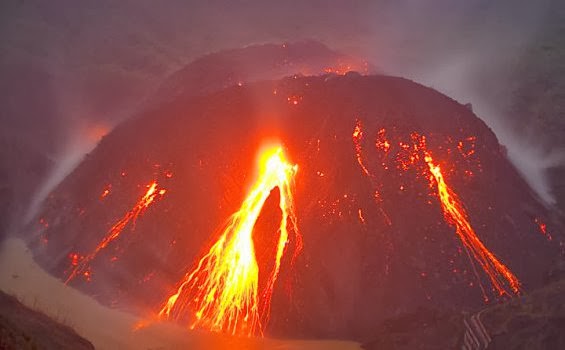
[(456, 215), (357, 138), (222, 290), (410, 155), (81, 267)]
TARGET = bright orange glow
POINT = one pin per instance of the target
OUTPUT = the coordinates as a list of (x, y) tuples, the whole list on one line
[(106, 191), (357, 138), (222, 291), (115, 231), (342, 68), (381, 142), (75, 258), (415, 154), (500, 276), (360, 215), (294, 99)]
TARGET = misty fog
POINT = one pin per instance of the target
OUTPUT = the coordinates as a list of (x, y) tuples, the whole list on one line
[(101, 59)]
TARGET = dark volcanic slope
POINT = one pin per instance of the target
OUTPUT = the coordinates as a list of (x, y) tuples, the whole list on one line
[(365, 259), (533, 321), (222, 69), (22, 328)]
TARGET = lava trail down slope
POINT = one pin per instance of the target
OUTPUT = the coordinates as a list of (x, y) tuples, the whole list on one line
[(403, 199)]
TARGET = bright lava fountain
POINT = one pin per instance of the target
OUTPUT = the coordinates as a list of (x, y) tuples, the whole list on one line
[(222, 291)]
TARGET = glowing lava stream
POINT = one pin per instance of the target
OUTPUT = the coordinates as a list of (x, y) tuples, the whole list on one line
[(114, 232), (357, 137), (455, 214), (503, 280), (222, 290)]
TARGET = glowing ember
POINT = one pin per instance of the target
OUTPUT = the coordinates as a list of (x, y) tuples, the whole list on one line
[(357, 138), (74, 257), (294, 99), (106, 191), (543, 228), (382, 143), (222, 290), (115, 231), (360, 215), (340, 69)]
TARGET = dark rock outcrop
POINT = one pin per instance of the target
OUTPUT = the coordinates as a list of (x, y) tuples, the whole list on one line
[(22, 329)]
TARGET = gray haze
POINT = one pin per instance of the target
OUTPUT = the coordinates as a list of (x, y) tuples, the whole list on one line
[(93, 62)]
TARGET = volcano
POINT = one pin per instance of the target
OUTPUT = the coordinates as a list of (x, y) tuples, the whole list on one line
[(403, 199)]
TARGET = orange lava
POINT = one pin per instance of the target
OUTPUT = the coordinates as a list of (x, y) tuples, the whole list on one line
[(115, 231), (360, 215), (221, 293), (500, 276), (415, 154), (357, 138), (342, 68), (106, 191)]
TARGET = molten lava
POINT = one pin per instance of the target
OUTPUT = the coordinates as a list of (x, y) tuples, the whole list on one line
[(115, 231), (221, 293), (410, 155), (357, 139), (500, 276)]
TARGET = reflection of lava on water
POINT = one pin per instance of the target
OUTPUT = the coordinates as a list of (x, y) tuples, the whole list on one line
[(418, 208)]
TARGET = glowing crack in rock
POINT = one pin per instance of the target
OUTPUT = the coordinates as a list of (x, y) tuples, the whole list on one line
[(81, 267), (221, 293)]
